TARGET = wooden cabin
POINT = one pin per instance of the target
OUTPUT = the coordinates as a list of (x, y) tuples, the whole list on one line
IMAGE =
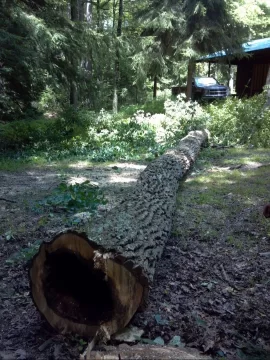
[(252, 68)]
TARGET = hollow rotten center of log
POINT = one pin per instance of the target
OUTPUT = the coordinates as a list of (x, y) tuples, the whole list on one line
[(75, 290)]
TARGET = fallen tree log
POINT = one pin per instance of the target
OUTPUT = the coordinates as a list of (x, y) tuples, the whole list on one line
[(146, 352), (85, 282)]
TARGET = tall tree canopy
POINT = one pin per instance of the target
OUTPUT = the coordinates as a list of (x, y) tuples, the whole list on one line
[(90, 52)]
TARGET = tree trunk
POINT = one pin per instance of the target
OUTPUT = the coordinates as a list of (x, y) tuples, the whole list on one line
[(85, 282), (114, 12), (74, 10), (98, 15), (81, 10), (73, 92), (88, 12), (155, 88), (191, 69), (117, 58)]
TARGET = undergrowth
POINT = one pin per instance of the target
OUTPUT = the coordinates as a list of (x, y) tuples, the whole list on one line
[(132, 134), (135, 133), (240, 121)]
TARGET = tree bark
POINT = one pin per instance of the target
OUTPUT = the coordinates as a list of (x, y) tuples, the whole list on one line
[(191, 69), (147, 352), (81, 10), (98, 15), (85, 282), (73, 94), (155, 88), (117, 58), (73, 91)]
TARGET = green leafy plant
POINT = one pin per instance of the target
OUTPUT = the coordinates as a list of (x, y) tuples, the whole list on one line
[(81, 343), (183, 116), (24, 254), (240, 121), (78, 197), (9, 235)]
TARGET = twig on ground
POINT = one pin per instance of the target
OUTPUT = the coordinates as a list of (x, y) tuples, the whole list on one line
[(224, 274), (90, 346), (265, 253), (7, 200), (45, 345)]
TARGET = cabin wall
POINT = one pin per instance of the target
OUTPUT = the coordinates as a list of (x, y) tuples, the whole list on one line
[(243, 79), (259, 75), (252, 73), (250, 78)]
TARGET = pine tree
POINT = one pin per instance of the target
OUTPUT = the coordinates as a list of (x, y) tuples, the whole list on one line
[(193, 27), (37, 44)]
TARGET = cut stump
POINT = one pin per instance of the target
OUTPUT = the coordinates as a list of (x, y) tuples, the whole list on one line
[(96, 280)]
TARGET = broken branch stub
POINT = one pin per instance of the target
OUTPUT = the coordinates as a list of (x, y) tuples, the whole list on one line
[(96, 280)]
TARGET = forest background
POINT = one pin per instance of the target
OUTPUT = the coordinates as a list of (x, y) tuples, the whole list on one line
[(92, 78)]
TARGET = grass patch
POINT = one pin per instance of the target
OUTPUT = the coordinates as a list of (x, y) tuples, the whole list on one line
[(223, 157), (214, 197)]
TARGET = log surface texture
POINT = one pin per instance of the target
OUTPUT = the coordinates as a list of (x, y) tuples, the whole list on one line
[(124, 246), (140, 225), (147, 352)]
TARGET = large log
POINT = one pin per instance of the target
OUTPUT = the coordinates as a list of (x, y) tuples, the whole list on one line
[(147, 352), (82, 282)]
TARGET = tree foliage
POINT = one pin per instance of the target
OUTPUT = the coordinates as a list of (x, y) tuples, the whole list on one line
[(48, 46), (36, 48)]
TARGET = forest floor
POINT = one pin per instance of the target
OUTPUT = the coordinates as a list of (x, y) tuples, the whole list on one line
[(212, 285)]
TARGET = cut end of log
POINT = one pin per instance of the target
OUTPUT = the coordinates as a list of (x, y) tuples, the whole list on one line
[(67, 277), (78, 287)]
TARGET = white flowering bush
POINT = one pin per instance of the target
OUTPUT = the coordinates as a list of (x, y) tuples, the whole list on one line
[(156, 122), (184, 116), (180, 117)]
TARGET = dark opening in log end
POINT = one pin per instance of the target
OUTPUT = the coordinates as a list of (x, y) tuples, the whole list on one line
[(78, 287)]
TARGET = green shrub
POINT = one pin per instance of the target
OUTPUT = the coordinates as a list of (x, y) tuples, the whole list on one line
[(154, 107), (184, 116), (51, 100), (240, 121), (23, 133), (104, 136), (180, 117), (70, 125), (74, 197)]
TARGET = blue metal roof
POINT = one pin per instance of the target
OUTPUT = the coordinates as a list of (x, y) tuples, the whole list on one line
[(254, 45)]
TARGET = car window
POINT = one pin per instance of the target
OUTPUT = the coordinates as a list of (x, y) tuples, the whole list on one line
[(205, 81)]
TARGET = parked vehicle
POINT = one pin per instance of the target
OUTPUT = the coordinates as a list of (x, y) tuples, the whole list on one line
[(207, 88)]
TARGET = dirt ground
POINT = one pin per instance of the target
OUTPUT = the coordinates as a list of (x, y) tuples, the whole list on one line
[(212, 284)]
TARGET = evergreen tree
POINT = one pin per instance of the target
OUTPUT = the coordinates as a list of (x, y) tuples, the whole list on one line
[(37, 44), (189, 28)]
